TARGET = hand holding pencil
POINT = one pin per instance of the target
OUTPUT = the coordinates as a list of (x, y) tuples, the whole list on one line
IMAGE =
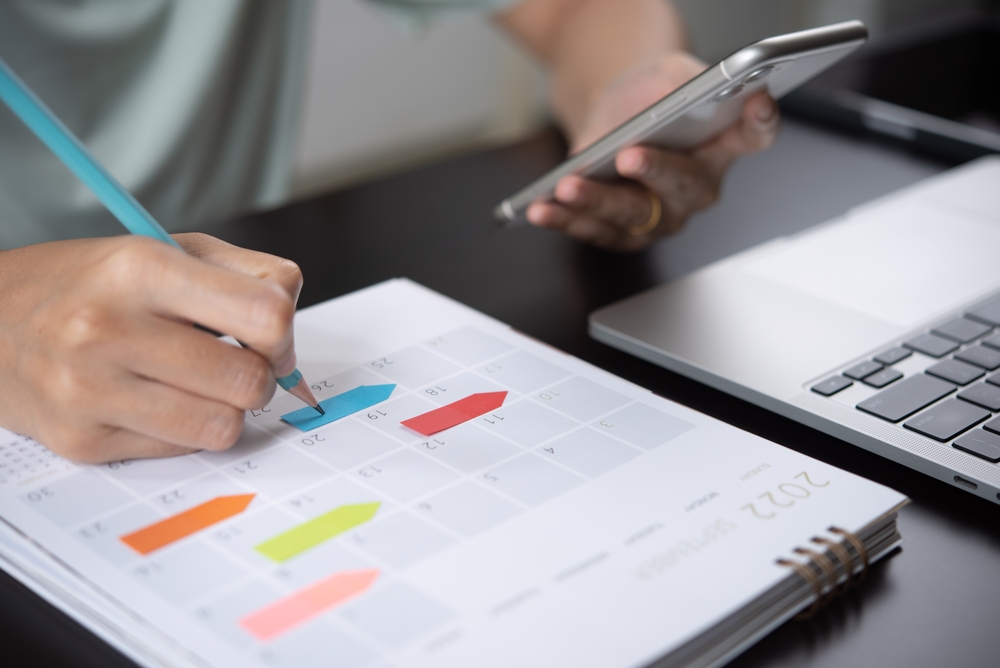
[(98, 356)]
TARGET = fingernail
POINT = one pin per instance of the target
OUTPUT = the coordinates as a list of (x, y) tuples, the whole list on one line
[(633, 164), (286, 368), (568, 193), (766, 111), (534, 215)]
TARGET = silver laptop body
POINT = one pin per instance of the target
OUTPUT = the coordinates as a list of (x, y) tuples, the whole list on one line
[(881, 327)]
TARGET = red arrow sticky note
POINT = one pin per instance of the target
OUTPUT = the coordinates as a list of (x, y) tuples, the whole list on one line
[(456, 413)]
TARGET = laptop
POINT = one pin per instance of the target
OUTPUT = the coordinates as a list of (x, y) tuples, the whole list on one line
[(881, 327)]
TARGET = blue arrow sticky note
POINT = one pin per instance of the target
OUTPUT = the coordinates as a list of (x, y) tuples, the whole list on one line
[(339, 406)]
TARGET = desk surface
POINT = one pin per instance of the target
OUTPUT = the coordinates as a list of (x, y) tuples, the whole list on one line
[(935, 603)]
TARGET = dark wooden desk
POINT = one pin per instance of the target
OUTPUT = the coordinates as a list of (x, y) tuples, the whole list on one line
[(934, 604)]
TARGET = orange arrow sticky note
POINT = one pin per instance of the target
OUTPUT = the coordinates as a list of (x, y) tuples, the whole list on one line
[(182, 525)]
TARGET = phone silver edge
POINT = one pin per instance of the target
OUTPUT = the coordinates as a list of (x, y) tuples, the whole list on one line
[(844, 36)]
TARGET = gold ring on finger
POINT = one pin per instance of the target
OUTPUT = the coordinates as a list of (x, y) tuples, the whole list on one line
[(654, 216)]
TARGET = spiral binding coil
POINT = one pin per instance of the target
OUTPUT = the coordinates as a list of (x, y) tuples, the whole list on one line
[(821, 571)]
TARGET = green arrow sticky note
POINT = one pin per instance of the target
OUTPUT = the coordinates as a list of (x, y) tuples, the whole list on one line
[(309, 534)]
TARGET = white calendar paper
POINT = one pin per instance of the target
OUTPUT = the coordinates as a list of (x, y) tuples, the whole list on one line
[(583, 522)]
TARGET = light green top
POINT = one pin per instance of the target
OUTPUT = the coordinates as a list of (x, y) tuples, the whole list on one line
[(192, 104)]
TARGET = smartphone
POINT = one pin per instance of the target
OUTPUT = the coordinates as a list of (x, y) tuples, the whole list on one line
[(703, 107)]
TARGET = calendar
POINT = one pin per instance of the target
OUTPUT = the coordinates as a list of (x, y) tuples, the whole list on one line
[(467, 485), (24, 460)]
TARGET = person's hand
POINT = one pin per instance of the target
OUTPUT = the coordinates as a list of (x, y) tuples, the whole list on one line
[(98, 357), (606, 215)]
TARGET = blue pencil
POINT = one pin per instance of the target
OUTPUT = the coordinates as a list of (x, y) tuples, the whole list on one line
[(112, 194)]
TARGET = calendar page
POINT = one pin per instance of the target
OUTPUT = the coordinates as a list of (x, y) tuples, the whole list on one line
[(472, 497)]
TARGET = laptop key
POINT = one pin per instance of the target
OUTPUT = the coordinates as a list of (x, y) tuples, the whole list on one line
[(993, 425), (894, 355), (993, 342), (906, 398), (987, 396), (883, 378), (962, 330), (956, 372), (995, 379), (980, 356), (947, 420), (981, 444), (988, 313), (932, 345), (831, 386), (859, 371)]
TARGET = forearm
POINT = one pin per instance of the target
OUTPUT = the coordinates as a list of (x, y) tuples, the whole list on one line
[(587, 43)]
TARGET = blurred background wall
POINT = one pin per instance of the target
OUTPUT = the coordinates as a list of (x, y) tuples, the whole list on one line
[(382, 96)]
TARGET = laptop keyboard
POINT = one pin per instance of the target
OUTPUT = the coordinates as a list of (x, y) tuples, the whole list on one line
[(954, 400)]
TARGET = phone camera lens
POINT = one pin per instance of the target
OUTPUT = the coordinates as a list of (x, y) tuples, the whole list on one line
[(732, 91), (758, 74)]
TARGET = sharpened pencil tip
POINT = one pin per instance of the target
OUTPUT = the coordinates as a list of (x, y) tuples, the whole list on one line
[(301, 390)]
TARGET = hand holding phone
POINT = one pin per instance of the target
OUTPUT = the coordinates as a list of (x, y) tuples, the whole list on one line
[(614, 214), (674, 151)]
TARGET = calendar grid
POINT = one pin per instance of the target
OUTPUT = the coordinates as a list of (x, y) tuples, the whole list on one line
[(554, 432)]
